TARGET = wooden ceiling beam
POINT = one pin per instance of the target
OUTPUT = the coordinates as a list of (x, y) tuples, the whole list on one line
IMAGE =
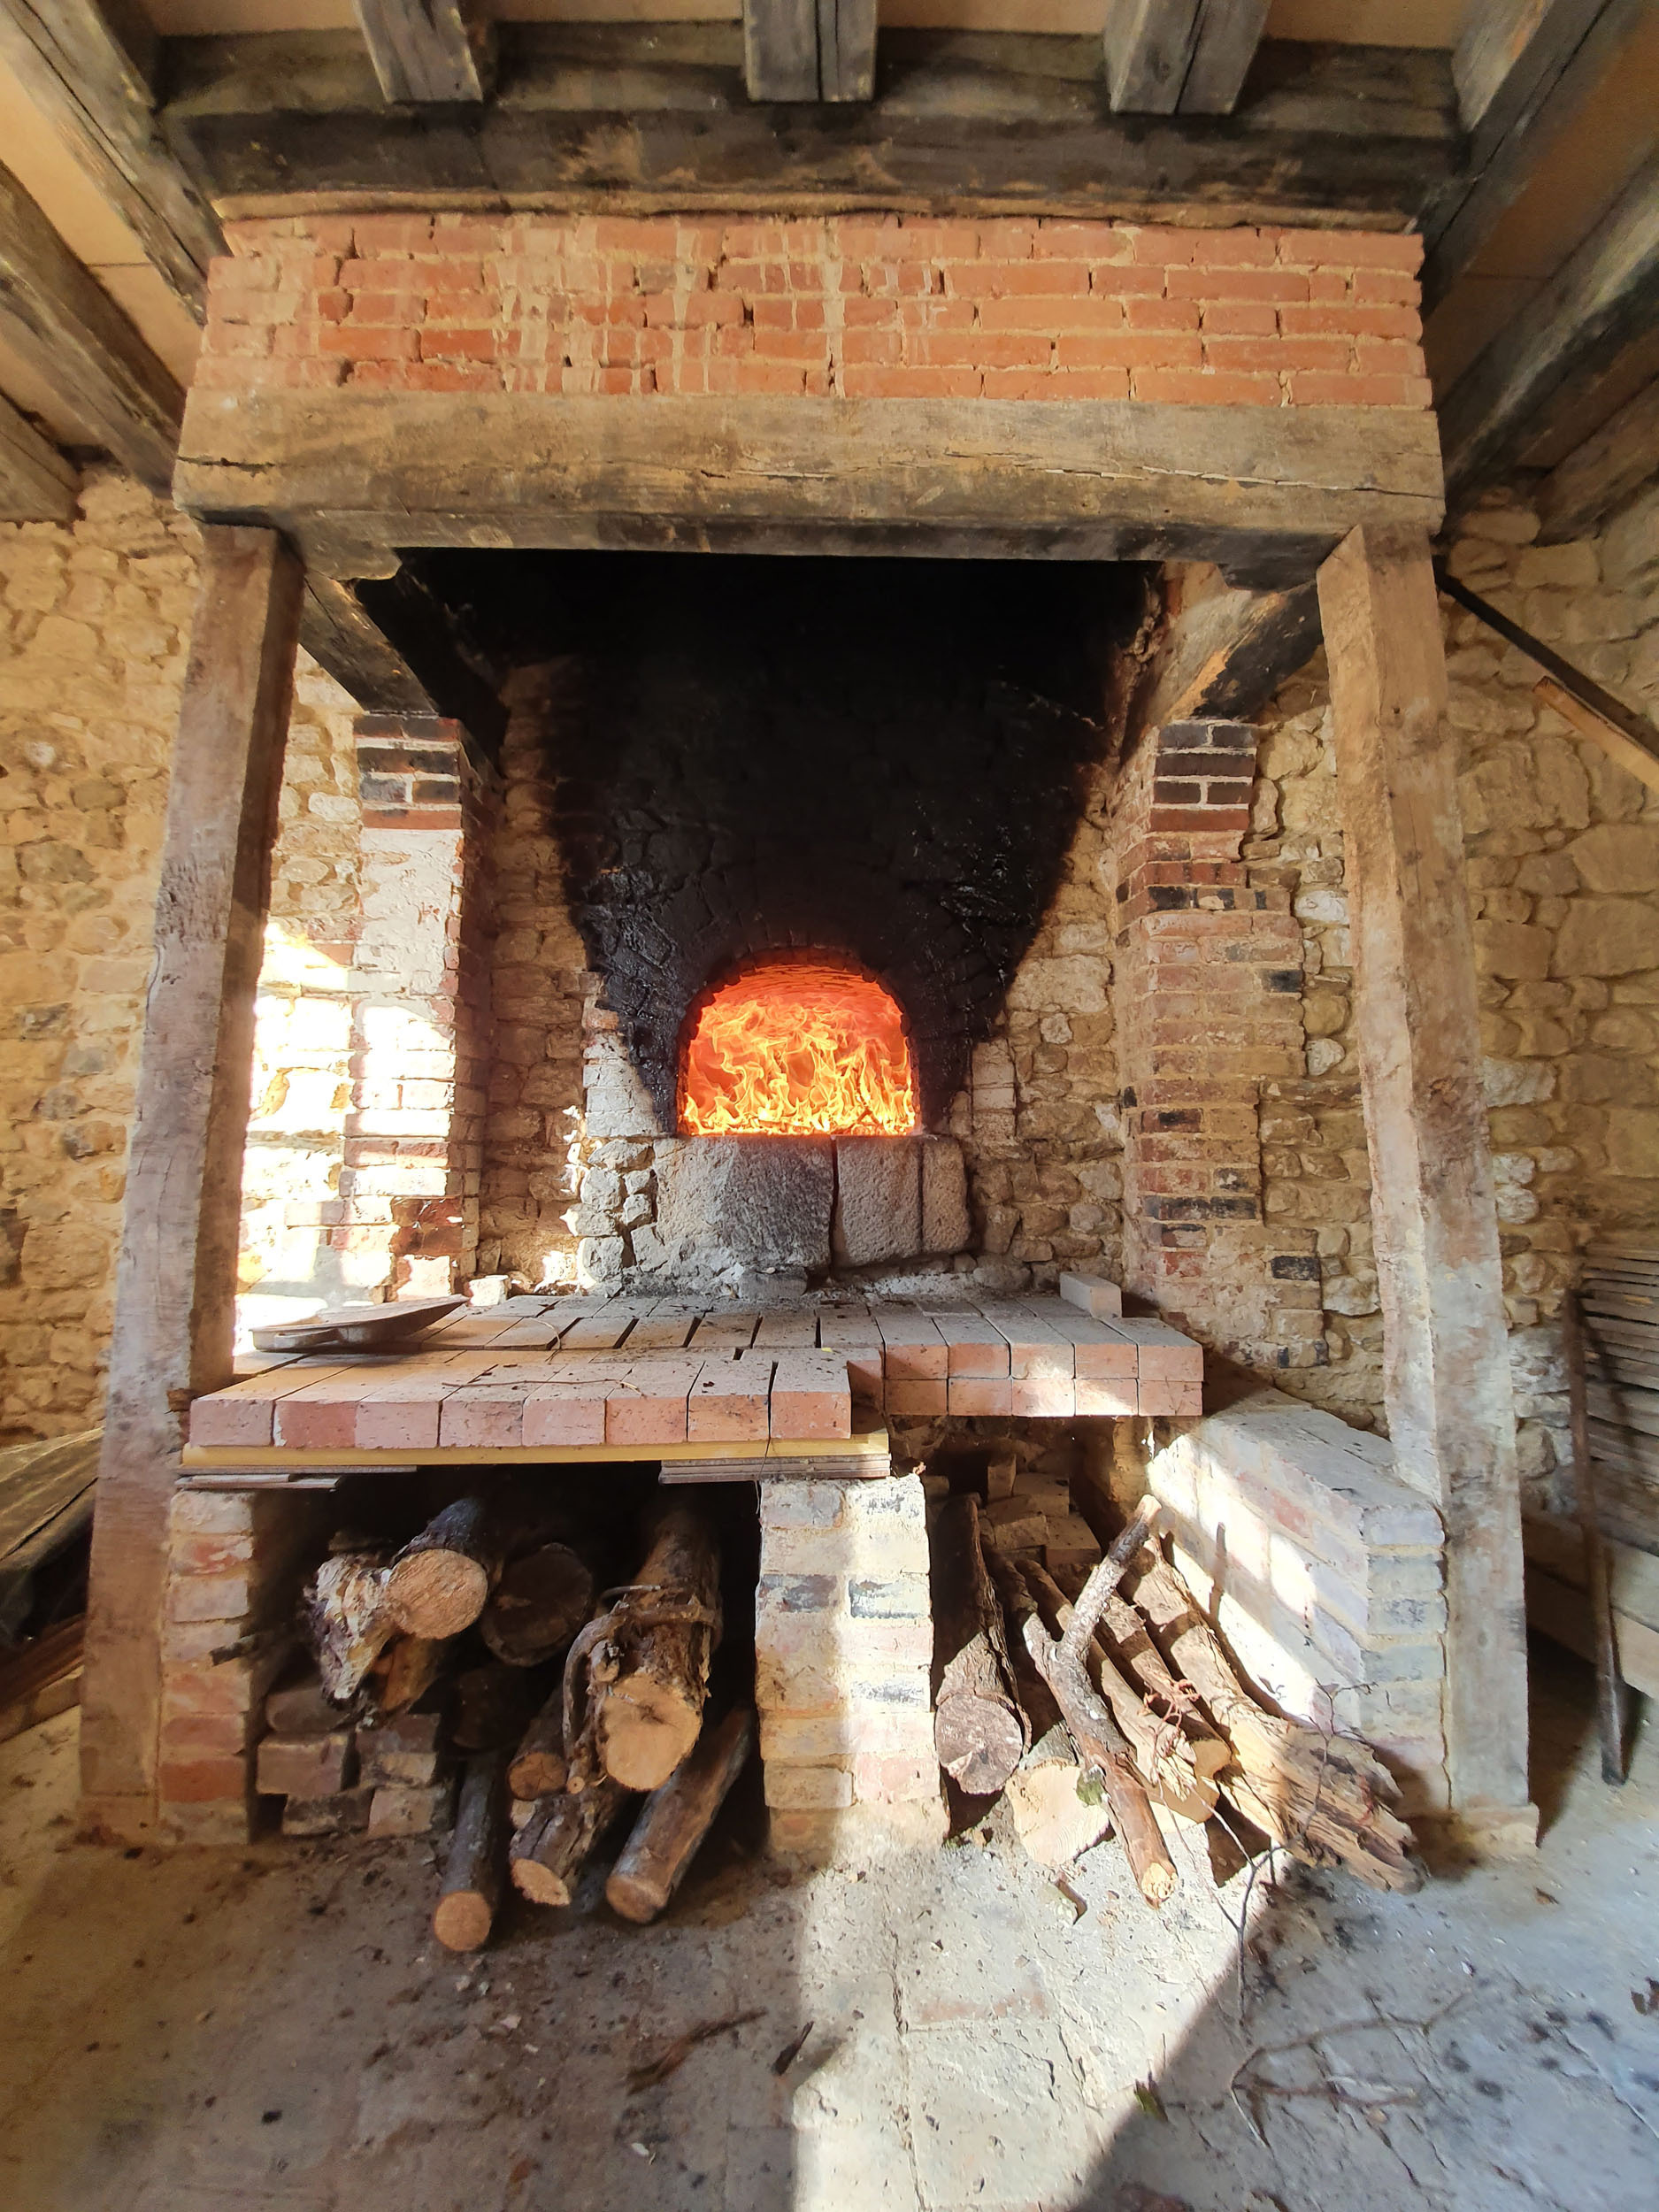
[(1602, 298), (635, 118), (1225, 652), (37, 484), (1523, 70), (428, 51), (71, 333), (83, 65), (1604, 474), (810, 50), (1179, 57)]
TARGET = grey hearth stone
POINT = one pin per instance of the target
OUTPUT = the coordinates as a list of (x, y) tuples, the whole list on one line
[(946, 1225), (878, 1199), (744, 1203)]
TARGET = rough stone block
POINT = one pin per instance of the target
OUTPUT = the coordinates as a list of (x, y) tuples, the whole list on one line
[(305, 1766), (345, 1814), (748, 1201), (947, 1225), (808, 1788), (396, 1811), (878, 1199)]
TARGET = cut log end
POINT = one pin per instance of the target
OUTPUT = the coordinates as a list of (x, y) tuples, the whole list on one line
[(646, 1730), (1157, 1884), (537, 1772), (461, 1921), (436, 1593), (540, 1884), (635, 1900), (978, 1743)]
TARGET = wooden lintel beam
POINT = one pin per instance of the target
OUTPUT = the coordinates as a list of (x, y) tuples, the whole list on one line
[(600, 117), (810, 50), (1604, 297), (1522, 69), (71, 333), (1180, 57), (83, 64), (36, 483), (429, 51), (1604, 474), (1224, 654)]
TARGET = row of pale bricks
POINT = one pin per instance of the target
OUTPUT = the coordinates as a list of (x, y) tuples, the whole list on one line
[(844, 1648), (1326, 1569)]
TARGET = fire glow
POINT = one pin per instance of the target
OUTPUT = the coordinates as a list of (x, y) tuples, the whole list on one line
[(798, 1048)]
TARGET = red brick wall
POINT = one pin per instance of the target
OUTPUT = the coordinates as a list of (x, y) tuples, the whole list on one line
[(855, 307)]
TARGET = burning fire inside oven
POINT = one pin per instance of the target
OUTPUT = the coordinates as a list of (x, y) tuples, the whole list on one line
[(798, 1048)]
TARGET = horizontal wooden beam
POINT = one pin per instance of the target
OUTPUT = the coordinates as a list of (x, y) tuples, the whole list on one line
[(810, 50), (391, 646), (1603, 297), (1523, 70), (71, 334), (1225, 654), (428, 50), (36, 483), (1604, 474), (1263, 491), (1190, 56), (85, 69), (633, 118)]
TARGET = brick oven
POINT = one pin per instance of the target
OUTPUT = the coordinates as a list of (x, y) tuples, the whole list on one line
[(817, 579)]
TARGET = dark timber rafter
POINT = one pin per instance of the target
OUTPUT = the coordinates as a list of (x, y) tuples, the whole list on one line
[(1601, 299), (84, 65), (428, 50), (72, 333), (810, 50), (1180, 57), (1522, 69)]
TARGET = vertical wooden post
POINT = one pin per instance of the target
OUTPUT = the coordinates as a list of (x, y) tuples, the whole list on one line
[(1446, 1353), (176, 1281)]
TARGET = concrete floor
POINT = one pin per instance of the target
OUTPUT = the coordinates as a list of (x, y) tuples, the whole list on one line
[(274, 2031)]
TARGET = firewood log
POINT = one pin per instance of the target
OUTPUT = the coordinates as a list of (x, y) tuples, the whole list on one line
[(407, 1668), (1323, 1795), (539, 1767), (1162, 1755), (675, 1819), (551, 1848), (1135, 1651), (493, 1705), (637, 1676), (540, 1603), (472, 1884), (978, 1729), (1095, 1732), (1054, 1819), (347, 1620), (440, 1581)]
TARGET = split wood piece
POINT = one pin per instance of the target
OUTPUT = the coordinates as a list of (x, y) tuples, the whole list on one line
[(1098, 1738), (1162, 1752), (349, 1621), (1053, 1819), (1323, 1796), (536, 1609), (440, 1579), (472, 1885), (675, 1819), (637, 1676), (1609, 1687), (1134, 1649), (551, 1848), (538, 1766), (407, 1668), (980, 1731)]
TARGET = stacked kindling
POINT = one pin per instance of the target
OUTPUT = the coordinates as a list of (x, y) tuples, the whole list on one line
[(1619, 1298), (1097, 1708)]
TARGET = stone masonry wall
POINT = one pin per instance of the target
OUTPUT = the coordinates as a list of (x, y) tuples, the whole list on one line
[(853, 307), (1563, 875), (95, 620)]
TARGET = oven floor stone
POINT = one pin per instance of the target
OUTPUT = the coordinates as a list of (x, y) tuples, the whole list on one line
[(273, 2030)]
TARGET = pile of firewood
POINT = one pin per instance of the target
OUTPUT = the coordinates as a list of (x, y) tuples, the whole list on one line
[(1085, 1711), (586, 1703)]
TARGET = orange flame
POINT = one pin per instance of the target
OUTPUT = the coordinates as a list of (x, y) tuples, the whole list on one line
[(798, 1048)]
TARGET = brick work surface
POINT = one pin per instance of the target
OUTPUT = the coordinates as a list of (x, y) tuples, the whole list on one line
[(1323, 1571), (855, 307), (553, 1372)]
